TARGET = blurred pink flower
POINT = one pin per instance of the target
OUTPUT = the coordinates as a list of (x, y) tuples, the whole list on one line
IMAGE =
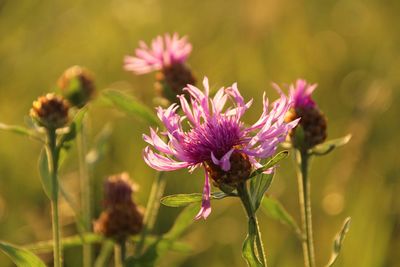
[(301, 94), (164, 51), (216, 136)]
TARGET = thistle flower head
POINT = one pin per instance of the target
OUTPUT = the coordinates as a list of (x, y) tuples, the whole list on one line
[(50, 111), (77, 85), (118, 189), (301, 94), (216, 138), (313, 121), (164, 51)]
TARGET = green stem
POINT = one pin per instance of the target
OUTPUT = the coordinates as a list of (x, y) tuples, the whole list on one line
[(86, 193), (53, 160), (302, 158), (253, 222), (119, 253), (153, 205)]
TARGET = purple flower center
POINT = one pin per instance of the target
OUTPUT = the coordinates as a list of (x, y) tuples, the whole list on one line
[(217, 135)]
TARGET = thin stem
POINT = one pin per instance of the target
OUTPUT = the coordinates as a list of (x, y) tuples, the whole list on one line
[(117, 255), (253, 222), (86, 193), (302, 159), (53, 160), (153, 205)]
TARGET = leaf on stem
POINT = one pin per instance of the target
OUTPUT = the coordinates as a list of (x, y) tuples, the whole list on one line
[(338, 241), (258, 186), (166, 242), (271, 163), (73, 129), (274, 209), (180, 200), (130, 106), (249, 246), (44, 171), (19, 130), (20, 256), (329, 146)]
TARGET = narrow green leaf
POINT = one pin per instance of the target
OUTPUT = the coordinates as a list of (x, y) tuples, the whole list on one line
[(20, 256), (45, 176), (67, 242), (329, 146), (181, 200), (338, 241), (276, 211), (272, 162), (161, 246), (130, 106), (100, 146), (20, 130), (106, 251), (258, 186), (248, 251), (74, 128)]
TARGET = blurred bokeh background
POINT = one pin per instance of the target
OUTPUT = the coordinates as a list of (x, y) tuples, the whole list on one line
[(349, 47)]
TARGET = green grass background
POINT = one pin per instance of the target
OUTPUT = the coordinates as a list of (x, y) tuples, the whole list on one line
[(349, 47)]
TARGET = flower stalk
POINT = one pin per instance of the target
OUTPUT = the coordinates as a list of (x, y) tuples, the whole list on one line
[(119, 253), (302, 160), (52, 153), (253, 222)]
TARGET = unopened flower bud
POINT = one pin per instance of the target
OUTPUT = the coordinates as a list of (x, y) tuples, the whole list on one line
[(50, 111), (121, 217), (77, 85), (172, 79), (239, 172)]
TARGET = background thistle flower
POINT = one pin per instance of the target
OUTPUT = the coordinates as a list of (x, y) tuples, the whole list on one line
[(121, 217), (50, 111), (313, 122), (167, 56), (217, 139), (77, 85)]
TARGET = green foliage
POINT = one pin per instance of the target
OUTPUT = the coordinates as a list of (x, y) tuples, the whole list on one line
[(276, 211), (180, 200), (329, 146), (20, 256), (130, 106), (258, 187), (249, 247), (271, 163), (45, 176), (165, 243), (338, 242)]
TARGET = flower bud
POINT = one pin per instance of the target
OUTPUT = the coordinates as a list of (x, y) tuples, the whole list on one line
[(121, 217), (77, 85), (50, 111), (171, 79), (239, 172)]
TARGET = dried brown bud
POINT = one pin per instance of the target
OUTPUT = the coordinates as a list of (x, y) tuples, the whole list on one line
[(77, 85), (313, 123), (239, 172), (118, 189), (50, 111), (172, 79), (122, 217)]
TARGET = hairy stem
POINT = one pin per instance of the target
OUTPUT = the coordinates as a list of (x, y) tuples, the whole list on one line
[(253, 222), (302, 158), (52, 153), (153, 205)]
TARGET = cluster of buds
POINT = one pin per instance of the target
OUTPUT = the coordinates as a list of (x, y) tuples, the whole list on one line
[(313, 122), (121, 217), (50, 111), (77, 85), (167, 56)]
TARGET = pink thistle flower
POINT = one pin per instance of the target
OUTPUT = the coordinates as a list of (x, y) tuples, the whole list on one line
[(216, 139), (301, 94), (163, 52)]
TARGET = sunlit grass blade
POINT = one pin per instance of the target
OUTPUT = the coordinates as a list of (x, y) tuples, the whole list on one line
[(21, 256), (338, 242)]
